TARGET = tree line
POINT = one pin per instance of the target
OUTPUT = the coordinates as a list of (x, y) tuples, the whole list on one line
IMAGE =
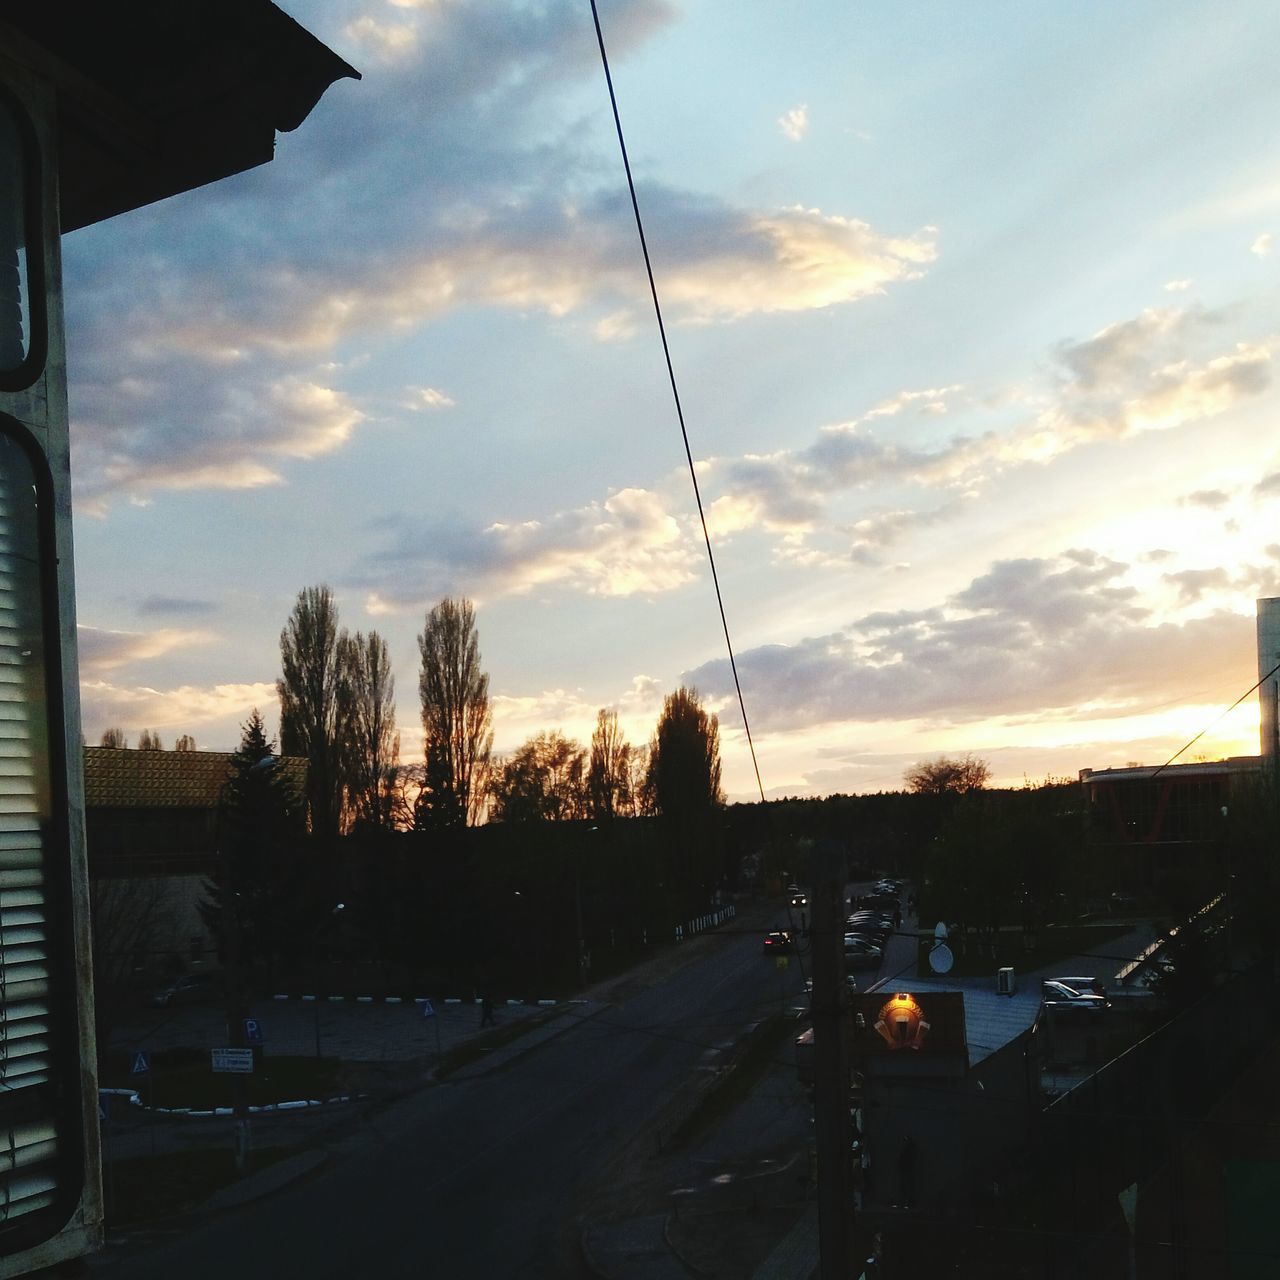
[(338, 711)]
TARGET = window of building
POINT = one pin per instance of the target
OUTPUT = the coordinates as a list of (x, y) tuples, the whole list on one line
[(21, 288), (39, 1105)]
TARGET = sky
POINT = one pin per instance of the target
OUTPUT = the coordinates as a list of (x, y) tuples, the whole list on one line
[(973, 311)]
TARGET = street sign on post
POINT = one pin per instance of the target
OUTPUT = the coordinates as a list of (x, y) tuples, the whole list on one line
[(141, 1064), (428, 1009), (237, 1061), (253, 1031)]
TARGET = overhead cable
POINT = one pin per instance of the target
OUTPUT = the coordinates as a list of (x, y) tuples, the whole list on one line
[(675, 392)]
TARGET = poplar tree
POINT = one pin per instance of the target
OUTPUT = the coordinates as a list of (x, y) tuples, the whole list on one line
[(308, 691), (367, 727), (457, 719)]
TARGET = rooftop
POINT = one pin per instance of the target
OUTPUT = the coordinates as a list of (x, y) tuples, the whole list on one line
[(127, 778), (991, 1020), (155, 98)]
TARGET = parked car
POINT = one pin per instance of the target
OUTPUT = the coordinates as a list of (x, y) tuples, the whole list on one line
[(879, 918), (1057, 995), (877, 940), (850, 982), (1088, 986), (878, 902), (876, 925), (861, 952), (777, 942), (191, 988)]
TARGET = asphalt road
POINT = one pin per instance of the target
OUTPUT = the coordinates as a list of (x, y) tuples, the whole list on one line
[(482, 1176)]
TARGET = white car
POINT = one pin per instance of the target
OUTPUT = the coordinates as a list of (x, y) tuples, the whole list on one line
[(1057, 995)]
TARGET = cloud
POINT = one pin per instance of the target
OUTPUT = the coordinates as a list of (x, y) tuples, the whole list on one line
[(1193, 584), (794, 123), (930, 400), (1268, 485), (427, 398), (207, 368), (102, 651), (1262, 245), (136, 707), (1177, 286), (187, 424), (1211, 499), (873, 534), (169, 605), (626, 545), (1030, 637), (388, 41), (1157, 371)]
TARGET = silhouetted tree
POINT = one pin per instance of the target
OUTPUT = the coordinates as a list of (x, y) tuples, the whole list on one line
[(456, 715), (114, 738), (948, 775), (683, 787), (130, 924), (609, 792), (150, 741), (683, 778), (185, 743), (260, 828), (367, 727), (308, 691), (543, 781)]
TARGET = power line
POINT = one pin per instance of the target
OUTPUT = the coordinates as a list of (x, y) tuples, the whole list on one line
[(1217, 720), (675, 392)]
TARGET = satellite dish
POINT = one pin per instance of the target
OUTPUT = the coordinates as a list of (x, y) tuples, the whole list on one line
[(940, 931), (941, 959)]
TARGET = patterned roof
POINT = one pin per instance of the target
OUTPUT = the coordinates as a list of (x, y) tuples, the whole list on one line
[(127, 778)]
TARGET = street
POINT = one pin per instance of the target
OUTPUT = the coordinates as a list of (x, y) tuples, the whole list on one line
[(481, 1175)]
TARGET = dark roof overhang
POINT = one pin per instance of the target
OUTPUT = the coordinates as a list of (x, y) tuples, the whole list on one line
[(156, 97)]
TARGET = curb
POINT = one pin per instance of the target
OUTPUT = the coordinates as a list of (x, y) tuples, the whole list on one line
[(448, 1000), (266, 1108)]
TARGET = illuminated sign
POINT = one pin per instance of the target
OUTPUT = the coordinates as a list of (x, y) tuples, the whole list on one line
[(901, 1023)]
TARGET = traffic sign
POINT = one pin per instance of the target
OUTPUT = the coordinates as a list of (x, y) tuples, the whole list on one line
[(141, 1064), (428, 1009), (239, 1061), (253, 1031)]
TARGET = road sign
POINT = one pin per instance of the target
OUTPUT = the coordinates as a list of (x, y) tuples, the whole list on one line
[(252, 1031), (141, 1064), (428, 1009), (235, 1060)]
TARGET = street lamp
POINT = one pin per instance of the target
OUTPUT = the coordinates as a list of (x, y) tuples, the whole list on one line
[(325, 924)]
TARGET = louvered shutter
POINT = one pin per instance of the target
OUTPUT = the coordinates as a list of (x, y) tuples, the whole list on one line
[(31, 1137)]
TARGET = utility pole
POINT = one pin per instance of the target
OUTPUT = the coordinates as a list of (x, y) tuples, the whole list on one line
[(232, 976), (831, 1065)]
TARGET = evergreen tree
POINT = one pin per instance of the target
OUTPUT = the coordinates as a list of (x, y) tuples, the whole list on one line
[(259, 834)]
